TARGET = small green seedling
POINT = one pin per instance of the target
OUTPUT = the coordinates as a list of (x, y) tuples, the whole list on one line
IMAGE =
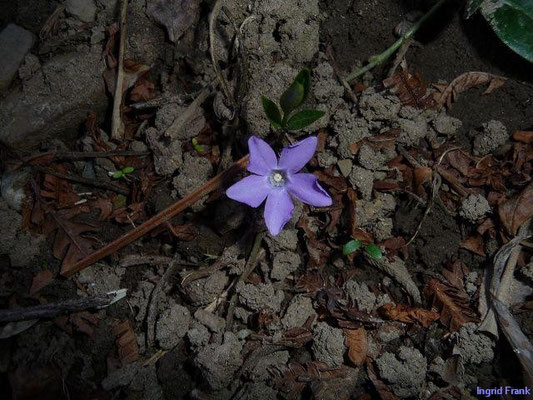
[(121, 173), (371, 250), (351, 247), (200, 148), (290, 100)]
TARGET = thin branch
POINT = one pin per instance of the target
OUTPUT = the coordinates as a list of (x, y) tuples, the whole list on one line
[(156, 220), (116, 122)]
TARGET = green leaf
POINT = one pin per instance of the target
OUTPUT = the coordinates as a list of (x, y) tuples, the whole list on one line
[(303, 118), (117, 174), (127, 170), (374, 252), (472, 7), (272, 112), (351, 247), (512, 20), (297, 92)]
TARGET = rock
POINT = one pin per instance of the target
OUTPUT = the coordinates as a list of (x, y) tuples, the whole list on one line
[(259, 391), (299, 310), (350, 129), (446, 125), (377, 106), (474, 207), (210, 320), (259, 297), (198, 336), (100, 279), (194, 173), (363, 180), (84, 10), (21, 246), (283, 264), (168, 157), (328, 345), (475, 347), (412, 130), (360, 295), (171, 326), (55, 100), (494, 135), (326, 158), (371, 159), (405, 372), (286, 240), (271, 362), (204, 291), (15, 43), (345, 167), (218, 363)]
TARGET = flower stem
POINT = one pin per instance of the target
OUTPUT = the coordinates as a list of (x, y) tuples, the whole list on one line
[(381, 58)]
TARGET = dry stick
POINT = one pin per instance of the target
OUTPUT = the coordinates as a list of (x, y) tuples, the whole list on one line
[(79, 155), (212, 23), (158, 219), (85, 181), (51, 310), (250, 265), (116, 122), (381, 58), (151, 312)]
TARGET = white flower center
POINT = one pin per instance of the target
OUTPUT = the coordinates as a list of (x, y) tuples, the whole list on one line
[(277, 178)]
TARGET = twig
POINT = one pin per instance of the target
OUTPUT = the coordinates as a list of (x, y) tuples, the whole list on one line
[(333, 63), (51, 310), (250, 266), (116, 123), (85, 181), (381, 58), (174, 129), (151, 312), (212, 23), (79, 155), (156, 220)]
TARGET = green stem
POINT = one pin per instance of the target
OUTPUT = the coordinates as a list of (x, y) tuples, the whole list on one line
[(380, 58)]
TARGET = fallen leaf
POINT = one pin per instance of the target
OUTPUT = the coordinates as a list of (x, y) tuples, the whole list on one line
[(43, 278), (421, 175), (84, 322), (408, 315), (475, 244), (411, 89), (517, 210), (175, 15), (523, 136), (467, 81), (357, 345), (126, 341), (452, 303), (455, 273)]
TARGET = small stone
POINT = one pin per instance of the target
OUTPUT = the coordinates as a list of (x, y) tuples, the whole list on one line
[(475, 347), (360, 294), (171, 326), (210, 320), (378, 106), (446, 125), (474, 207), (328, 345), (84, 10), (194, 173), (370, 159), (259, 297), (494, 135), (283, 264), (137, 145), (15, 43), (363, 180), (345, 167), (299, 310)]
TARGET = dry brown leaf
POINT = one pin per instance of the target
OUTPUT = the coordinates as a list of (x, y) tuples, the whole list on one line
[(408, 315), (357, 345), (421, 175), (475, 244), (452, 303), (410, 89), (467, 81), (455, 273), (126, 341), (523, 136), (517, 210), (43, 278)]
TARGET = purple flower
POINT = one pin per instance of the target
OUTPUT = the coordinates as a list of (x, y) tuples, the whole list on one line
[(278, 181)]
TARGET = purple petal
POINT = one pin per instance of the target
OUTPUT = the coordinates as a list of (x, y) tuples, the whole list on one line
[(262, 157), (278, 210), (305, 187), (294, 158), (251, 190)]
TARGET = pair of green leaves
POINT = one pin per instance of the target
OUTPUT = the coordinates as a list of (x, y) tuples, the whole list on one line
[(512, 20), (371, 250), (291, 99), (123, 172)]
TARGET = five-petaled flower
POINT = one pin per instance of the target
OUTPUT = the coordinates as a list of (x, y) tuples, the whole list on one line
[(278, 181)]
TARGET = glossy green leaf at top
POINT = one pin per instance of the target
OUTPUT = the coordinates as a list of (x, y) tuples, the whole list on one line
[(512, 20), (472, 7), (303, 118), (117, 174), (272, 112), (351, 247), (374, 252), (297, 92), (127, 170)]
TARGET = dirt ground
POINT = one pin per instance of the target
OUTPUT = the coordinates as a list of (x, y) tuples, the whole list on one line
[(216, 307)]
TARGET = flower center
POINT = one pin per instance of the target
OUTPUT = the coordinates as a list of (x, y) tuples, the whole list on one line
[(277, 178)]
